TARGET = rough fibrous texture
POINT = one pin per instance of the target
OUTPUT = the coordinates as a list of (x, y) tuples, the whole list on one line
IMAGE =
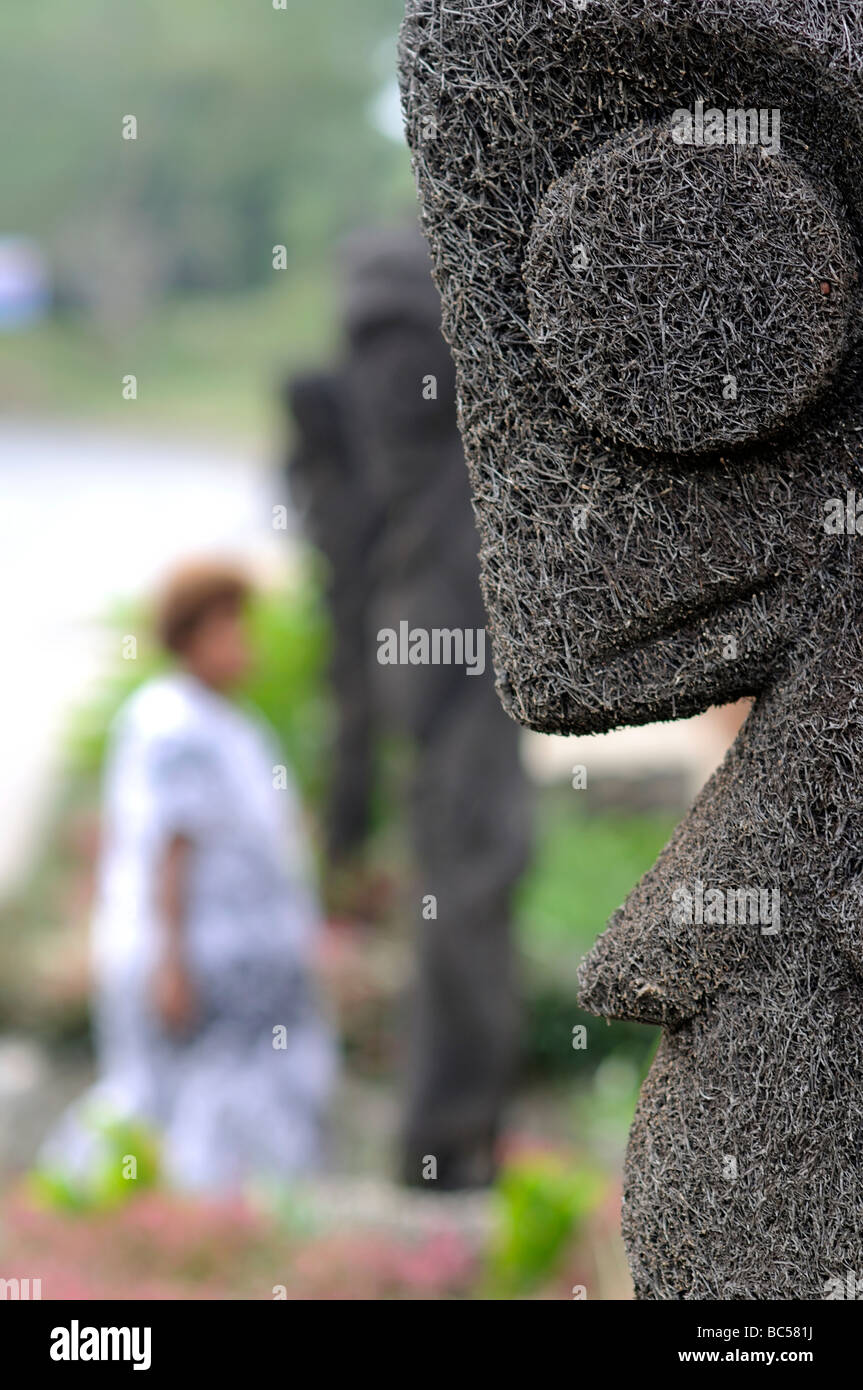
[(688, 299), (397, 447), (645, 558)]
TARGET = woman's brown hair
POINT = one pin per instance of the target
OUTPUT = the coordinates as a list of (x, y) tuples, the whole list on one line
[(191, 593)]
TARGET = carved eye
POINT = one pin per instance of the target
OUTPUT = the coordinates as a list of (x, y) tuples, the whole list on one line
[(688, 299)]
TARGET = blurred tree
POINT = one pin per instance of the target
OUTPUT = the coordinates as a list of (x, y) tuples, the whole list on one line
[(254, 129)]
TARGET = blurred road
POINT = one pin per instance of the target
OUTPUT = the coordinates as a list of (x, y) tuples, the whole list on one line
[(85, 519)]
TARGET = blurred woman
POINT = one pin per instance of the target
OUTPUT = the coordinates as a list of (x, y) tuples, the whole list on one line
[(206, 1018)]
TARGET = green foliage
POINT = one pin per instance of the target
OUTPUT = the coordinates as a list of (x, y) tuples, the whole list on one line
[(109, 1182), (606, 1108), (542, 1204), (551, 1012), (253, 130), (291, 638), (210, 365), (584, 866)]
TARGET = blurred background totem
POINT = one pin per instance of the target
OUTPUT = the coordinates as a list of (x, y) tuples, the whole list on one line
[(380, 466)]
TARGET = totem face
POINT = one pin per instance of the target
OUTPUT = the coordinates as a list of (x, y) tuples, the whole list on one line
[(644, 218)]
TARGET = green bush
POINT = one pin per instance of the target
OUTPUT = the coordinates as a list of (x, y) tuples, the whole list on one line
[(111, 1180), (542, 1204), (584, 866)]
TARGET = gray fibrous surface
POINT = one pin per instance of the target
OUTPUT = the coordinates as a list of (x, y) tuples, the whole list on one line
[(393, 395), (651, 469), (688, 299)]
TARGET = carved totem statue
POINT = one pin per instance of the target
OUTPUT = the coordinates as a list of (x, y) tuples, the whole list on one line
[(645, 222)]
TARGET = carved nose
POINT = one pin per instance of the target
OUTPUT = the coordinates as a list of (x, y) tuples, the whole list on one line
[(688, 299)]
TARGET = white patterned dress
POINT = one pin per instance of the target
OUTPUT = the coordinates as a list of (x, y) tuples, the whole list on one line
[(245, 1093)]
